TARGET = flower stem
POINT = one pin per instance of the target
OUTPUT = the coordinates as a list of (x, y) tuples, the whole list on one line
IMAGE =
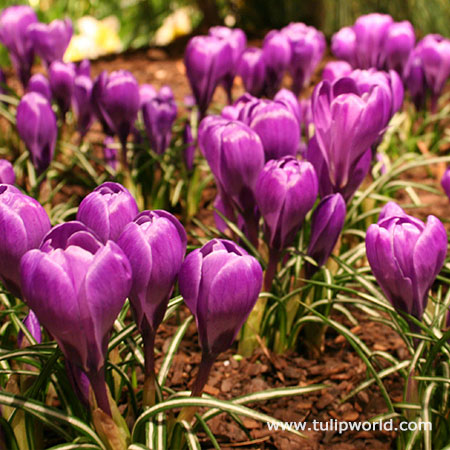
[(98, 384)]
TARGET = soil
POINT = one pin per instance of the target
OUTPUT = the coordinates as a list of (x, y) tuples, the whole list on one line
[(339, 367)]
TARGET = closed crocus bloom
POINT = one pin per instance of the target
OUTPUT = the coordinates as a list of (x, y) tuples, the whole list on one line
[(83, 68), (289, 99), (98, 89), (119, 102), (32, 324), (107, 210), (146, 93), (252, 69), (237, 41), (414, 77), (307, 48), (23, 223), (400, 40), (406, 255), (357, 172), (347, 124), (276, 125), (72, 283), (326, 226), (82, 103), (14, 23), (445, 182), (155, 244), (285, 191), (159, 114), (207, 60), (336, 69), (40, 84), (370, 32), (7, 175), (36, 124), (220, 284), (51, 40), (62, 79), (434, 51), (343, 45), (277, 57)]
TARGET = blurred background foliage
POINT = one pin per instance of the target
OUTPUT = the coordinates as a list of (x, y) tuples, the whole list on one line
[(141, 20)]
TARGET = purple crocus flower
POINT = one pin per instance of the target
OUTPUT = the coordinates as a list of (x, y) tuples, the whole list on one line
[(155, 244), (290, 100), (252, 69), (98, 89), (207, 60), (82, 103), (307, 49), (39, 83), (236, 156), (414, 77), (75, 283), (336, 69), (406, 255), (343, 45), (118, 101), (32, 324), (285, 191), (110, 152), (275, 124), (159, 114), (51, 40), (36, 124), (107, 210), (347, 124), (7, 175), (62, 78), (23, 223), (434, 50), (237, 41), (277, 57), (146, 93), (14, 23), (326, 226), (83, 68), (399, 43), (445, 182), (220, 284), (370, 34)]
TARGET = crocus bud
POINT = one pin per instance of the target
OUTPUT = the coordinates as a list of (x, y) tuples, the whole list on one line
[(62, 79), (82, 103), (307, 48), (406, 255), (207, 60), (370, 33), (36, 124), (276, 125), (343, 45), (107, 210), (220, 284), (155, 244), (288, 99), (14, 23), (51, 40), (72, 283), (414, 77), (83, 68), (146, 93), (285, 191), (390, 209), (32, 324), (237, 41), (400, 40), (434, 50), (119, 102), (110, 152), (445, 182), (326, 226), (277, 57), (159, 114), (336, 69), (24, 223), (40, 84), (7, 175), (347, 124), (252, 69)]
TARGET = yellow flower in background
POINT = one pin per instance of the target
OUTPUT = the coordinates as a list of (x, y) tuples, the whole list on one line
[(94, 38), (177, 24)]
